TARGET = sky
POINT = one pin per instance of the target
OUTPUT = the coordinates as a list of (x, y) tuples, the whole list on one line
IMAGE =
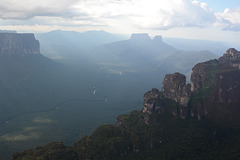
[(195, 19)]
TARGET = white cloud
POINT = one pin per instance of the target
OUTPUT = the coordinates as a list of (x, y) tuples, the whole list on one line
[(232, 15), (119, 15), (15, 9), (151, 14), (229, 19)]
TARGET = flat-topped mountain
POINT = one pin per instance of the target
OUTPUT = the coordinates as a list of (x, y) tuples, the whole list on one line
[(139, 45), (27, 81), (18, 44), (141, 53), (140, 36)]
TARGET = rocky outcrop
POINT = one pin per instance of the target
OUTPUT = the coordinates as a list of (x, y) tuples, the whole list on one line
[(213, 91), (18, 44), (216, 83), (174, 87), (155, 104), (231, 58), (151, 104)]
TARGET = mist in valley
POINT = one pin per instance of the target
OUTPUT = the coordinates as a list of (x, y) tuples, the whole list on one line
[(80, 81)]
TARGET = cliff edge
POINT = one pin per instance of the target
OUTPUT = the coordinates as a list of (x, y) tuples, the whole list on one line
[(18, 44), (213, 91)]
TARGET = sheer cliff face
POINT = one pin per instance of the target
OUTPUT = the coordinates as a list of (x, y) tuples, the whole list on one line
[(213, 92), (199, 76), (18, 44), (215, 87), (151, 102), (221, 76), (201, 72), (156, 104), (174, 87)]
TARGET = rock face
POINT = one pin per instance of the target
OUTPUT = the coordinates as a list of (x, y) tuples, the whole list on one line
[(231, 58), (18, 44), (174, 87), (214, 91), (152, 105), (151, 102), (199, 75), (215, 87)]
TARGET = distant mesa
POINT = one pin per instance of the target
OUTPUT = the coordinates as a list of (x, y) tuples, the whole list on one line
[(157, 38), (140, 36), (18, 44), (145, 37)]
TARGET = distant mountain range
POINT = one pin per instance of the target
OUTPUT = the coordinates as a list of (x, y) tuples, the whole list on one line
[(69, 44), (215, 47), (139, 53), (143, 54)]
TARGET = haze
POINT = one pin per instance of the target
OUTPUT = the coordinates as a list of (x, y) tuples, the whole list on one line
[(85, 62)]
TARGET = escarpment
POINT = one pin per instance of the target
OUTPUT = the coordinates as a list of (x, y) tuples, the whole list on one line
[(18, 44), (214, 91)]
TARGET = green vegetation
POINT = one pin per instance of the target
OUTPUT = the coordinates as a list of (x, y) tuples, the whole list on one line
[(55, 150), (168, 138), (44, 101)]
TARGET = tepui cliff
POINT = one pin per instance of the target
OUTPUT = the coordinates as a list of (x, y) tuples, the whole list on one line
[(18, 44), (214, 91)]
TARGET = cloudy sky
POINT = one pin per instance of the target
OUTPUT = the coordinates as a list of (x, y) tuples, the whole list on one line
[(198, 19)]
